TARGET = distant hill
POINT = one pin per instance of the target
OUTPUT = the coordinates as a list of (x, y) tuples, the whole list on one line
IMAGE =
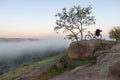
[(17, 39)]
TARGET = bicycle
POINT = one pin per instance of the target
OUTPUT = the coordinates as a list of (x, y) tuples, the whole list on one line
[(91, 36)]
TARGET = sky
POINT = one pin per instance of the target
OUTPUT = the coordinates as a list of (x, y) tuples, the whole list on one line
[(35, 18)]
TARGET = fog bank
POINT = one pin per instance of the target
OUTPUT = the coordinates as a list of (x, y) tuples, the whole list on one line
[(17, 48)]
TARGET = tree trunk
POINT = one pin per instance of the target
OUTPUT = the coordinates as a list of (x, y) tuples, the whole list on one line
[(81, 31), (81, 35)]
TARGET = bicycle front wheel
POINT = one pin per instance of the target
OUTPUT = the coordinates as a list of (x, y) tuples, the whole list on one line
[(88, 37), (98, 37)]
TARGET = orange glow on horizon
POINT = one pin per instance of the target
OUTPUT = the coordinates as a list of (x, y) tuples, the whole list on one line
[(26, 35)]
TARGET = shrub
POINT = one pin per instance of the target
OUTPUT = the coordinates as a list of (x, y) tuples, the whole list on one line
[(115, 33)]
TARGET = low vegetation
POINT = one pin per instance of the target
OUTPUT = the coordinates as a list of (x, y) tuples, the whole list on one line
[(71, 65)]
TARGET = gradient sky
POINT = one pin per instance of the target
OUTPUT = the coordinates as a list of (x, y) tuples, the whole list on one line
[(35, 18)]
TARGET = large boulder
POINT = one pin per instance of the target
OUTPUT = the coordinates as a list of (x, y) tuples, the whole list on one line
[(82, 49), (104, 47), (114, 71), (116, 48), (109, 65)]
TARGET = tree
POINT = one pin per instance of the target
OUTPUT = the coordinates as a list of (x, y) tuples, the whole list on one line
[(115, 33), (72, 21)]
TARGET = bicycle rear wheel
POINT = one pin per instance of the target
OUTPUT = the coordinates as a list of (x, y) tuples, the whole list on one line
[(88, 37)]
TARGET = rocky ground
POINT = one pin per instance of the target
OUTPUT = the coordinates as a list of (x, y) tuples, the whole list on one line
[(107, 67), (80, 73)]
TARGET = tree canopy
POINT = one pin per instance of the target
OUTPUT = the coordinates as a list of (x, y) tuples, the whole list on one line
[(115, 33), (74, 20)]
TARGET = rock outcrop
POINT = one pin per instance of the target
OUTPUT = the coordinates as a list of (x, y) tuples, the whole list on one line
[(60, 63), (105, 61), (116, 48), (107, 66), (82, 50), (114, 71)]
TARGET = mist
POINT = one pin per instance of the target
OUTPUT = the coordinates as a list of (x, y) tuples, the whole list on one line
[(17, 48), (16, 53)]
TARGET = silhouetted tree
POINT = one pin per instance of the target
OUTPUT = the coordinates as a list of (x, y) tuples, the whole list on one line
[(72, 21), (115, 33)]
